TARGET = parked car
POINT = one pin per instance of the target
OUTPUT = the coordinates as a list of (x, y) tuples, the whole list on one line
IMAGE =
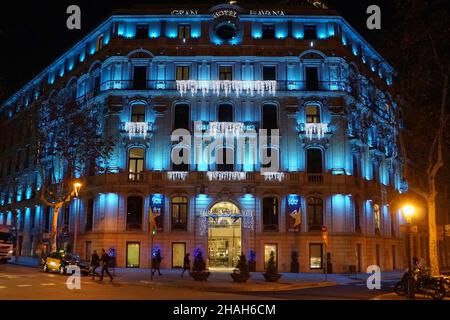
[(59, 261)]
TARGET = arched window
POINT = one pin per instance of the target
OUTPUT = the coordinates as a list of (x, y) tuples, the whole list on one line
[(355, 165), (269, 117), (315, 213), (225, 113), (312, 114), (138, 113), (314, 161), (136, 164), (270, 213), (134, 213), (179, 213), (181, 117)]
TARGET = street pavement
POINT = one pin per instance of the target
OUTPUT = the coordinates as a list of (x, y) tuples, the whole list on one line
[(28, 283)]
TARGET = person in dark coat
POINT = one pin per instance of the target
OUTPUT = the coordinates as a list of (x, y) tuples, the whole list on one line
[(95, 263), (105, 265), (157, 263), (186, 264)]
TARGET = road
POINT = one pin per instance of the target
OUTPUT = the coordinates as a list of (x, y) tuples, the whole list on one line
[(25, 283)]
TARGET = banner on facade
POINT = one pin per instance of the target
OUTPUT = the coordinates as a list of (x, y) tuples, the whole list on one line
[(294, 212), (157, 203)]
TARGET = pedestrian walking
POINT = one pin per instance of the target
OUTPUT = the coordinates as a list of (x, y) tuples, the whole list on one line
[(157, 264), (105, 265), (95, 263), (186, 264)]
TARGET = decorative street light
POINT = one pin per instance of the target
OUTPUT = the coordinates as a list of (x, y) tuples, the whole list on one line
[(76, 187), (408, 211)]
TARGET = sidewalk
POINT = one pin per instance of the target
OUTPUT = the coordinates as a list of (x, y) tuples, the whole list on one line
[(221, 280)]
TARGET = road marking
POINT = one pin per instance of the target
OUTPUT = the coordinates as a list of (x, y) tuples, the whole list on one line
[(2, 287), (47, 284), (24, 285)]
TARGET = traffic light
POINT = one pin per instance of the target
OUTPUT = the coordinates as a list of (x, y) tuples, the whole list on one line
[(153, 231), (325, 235)]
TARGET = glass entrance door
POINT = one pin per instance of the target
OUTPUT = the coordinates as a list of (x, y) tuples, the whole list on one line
[(178, 252), (224, 236), (133, 252)]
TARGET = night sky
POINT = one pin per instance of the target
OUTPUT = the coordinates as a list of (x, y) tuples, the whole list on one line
[(33, 33)]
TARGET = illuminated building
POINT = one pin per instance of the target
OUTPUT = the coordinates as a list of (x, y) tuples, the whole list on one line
[(304, 71)]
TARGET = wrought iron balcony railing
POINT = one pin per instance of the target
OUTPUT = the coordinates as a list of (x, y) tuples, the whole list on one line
[(136, 129)]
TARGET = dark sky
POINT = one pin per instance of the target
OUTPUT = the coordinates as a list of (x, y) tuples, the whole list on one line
[(33, 33)]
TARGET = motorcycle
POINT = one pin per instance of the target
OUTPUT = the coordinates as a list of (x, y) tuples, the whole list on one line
[(424, 283)]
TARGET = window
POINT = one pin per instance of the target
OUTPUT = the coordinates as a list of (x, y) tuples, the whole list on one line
[(134, 213), (181, 117), (96, 85), (142, 31), (310, 32), (66, 217), (270, 214), (100, 42), (184, 31), (268, 31), (136, 164), (314, 161), (179, 213), (47, 219), (269, 73), (133, 254), (355, 165), (182, 73), (183, 167), (225, 113), (269, 250), (269, 117), (139, 78), (315, 213), (357, 213), (225, 159), (89, 214), (312, 114), (377, 218), (312, 78), (375, 171), (315, 255), (32, 218), (138, 113), (225, 73)]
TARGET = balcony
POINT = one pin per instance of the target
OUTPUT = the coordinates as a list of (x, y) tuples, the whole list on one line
[(225, 128), (137, 129), (217, 87), (315, 178)]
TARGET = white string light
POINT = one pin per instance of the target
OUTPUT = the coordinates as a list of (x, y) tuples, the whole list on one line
[(273, 176), (177, 175), (318, 129), (226, 175), (137, 128), (227, 86)]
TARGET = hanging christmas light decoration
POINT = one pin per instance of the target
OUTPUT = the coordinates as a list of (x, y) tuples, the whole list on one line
[(318, 129), (137, 128), (248, 219), (226, 175), (177, 175), (226, 86), (226, 128), (273, 176)]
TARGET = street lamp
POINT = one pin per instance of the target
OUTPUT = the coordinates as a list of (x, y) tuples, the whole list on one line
[(408, 211), (76, 187)]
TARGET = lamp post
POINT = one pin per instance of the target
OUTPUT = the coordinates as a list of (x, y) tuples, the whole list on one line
[(408, 212), (77, 187)]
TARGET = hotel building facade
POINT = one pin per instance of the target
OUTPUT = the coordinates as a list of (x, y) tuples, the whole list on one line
[(303, 74)]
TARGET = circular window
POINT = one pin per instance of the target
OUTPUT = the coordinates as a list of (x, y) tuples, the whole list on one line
[(226, 30)]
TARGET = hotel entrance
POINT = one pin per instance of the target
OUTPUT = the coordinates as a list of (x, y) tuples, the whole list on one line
[(224, 235)]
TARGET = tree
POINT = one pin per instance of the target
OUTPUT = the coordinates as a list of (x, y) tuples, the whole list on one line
[(418, 47), (70, 143)]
